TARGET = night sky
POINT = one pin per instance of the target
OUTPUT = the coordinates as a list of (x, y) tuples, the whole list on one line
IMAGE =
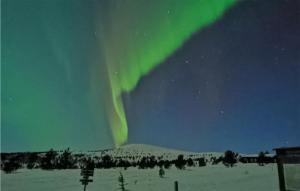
[(233, 85), (205, 82)]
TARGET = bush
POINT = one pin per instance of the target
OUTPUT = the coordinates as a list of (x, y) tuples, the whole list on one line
[(230, 158), (167, 164), (66, 160), (161, 172), (147, 162), (122, 182), (217, 160), (107, 162), (11, 166), (201, 162), (32, 160), (143, 163), (49, 160), (261, 158), (152, 162), (190, 162), (123, 163), (180, 162)]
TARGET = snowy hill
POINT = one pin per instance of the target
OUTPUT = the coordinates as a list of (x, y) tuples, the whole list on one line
[(141, 150)]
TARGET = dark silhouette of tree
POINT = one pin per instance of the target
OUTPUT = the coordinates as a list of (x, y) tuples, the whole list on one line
[(11, 165), (218, 160), (147, 162), (161, 172), (89, 164), (107, 162), (49, 160), (144, 163), (122, 182), (167, 164), (261, 159), (66, 160), (123, 163), (230, 158), (190, 162), (152, 162), (160, 163), (32, 160), (201, 162), (180, 162)]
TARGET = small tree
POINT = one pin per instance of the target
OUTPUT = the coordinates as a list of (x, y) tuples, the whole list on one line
[(201, 162), (49, 160), (107, 162), (261, 158), (230, 158), (161, 172), (11, 165), (66, 160), (152, 162), (122, 182), (167, 164), (32, 160), (217, 160), (190, 162), (180, 162), (90, 164)]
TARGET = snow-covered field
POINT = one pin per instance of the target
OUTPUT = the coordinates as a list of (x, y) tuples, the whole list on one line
[(243, 177), (142, 150)]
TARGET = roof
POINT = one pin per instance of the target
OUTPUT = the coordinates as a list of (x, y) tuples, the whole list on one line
[(287, 149), (256, 155)]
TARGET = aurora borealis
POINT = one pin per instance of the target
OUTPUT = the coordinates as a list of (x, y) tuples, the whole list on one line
[(98, 74), (163, 28)]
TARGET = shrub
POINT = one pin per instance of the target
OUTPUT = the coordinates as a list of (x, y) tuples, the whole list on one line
[(261, 158), (152, 162), (66, 160), (32, 160), (49, 160), (11, 165), (230, 158), (107, 162), (180, 162), (161, 172), (190, 162), (167, 164), (122, 182), (143, 163), (201, 162)]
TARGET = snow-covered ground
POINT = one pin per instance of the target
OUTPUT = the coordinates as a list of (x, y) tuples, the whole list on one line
[(141, 150), (243, 177)]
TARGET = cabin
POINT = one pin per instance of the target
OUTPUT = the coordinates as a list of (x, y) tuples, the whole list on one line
[(288, 164), (268, 158)]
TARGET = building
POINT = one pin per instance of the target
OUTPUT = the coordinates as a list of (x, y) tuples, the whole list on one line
[(288, 163)]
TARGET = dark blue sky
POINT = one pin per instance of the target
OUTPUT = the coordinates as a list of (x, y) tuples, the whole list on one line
[(234, 85)]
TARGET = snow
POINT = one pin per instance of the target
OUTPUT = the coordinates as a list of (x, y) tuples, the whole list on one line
[(142, 150), (242, 177), (245, 177)]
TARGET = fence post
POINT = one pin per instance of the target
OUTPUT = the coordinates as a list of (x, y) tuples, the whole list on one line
[(176, 185)]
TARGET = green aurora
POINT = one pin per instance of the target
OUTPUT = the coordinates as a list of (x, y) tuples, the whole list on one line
[(66, 64), (139, 35)]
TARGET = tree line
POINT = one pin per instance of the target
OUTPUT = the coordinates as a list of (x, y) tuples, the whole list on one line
[(67, 160)]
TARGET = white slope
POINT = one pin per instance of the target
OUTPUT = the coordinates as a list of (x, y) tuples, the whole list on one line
[(141, 150), (243, 177), (246, 177)]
